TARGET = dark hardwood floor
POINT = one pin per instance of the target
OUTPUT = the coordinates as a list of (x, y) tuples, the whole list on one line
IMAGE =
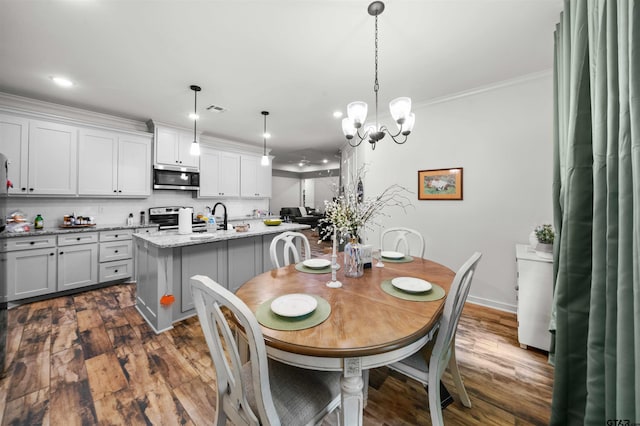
[(91, 359)]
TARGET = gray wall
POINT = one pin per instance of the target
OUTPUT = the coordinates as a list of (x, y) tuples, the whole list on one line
[(502, 138)]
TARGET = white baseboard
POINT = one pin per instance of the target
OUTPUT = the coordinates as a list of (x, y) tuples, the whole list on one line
[(492, 304)]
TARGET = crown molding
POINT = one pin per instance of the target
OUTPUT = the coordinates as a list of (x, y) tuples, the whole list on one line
[(58, 112)]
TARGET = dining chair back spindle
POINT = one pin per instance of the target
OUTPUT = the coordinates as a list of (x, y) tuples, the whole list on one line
[(403, 240), (292, 241), (260, 391), (428, 367)]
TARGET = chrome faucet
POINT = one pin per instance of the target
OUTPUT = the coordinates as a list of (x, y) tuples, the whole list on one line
[(213, 212)]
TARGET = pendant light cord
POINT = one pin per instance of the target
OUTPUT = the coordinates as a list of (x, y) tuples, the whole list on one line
[(195, 112), (264, 135), (376, 86)]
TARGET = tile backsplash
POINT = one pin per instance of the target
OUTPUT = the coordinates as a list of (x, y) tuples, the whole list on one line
[(115, 211)]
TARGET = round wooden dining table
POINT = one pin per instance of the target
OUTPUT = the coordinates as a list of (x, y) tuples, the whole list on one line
[(366, 328)]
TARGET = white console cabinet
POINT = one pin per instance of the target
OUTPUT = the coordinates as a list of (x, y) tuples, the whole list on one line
[(535, 296)]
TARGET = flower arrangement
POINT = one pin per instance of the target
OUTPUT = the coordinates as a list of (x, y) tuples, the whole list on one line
[(545, 234), (350, 212)]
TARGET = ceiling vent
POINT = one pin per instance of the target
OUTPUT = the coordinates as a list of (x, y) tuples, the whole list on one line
[(216, 108)]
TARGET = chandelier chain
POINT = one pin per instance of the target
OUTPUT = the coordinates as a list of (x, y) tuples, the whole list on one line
[(376, 85)]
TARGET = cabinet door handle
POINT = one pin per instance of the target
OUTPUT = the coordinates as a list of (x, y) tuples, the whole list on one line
[(23, 189), (115, 251), (51, 254), (30, 189), (78, 238), (32, 242), (59, 253), (116, 271), (115, 190)]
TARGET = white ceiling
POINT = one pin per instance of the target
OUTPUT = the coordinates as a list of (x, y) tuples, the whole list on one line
[(301, 60)]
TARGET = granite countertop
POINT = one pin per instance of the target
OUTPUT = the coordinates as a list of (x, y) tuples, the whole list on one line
[(169, 239), (55, 231)]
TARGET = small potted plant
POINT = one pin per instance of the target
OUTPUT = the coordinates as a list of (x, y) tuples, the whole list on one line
[(545, 236)]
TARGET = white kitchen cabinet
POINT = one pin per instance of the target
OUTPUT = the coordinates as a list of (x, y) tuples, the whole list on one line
[(30, 266), (255, 179), (535, 297), (77, 266), (42, 156), (219, 173), (53, 151), (172, 148), (14, 144), (116, 255), (113, 164)]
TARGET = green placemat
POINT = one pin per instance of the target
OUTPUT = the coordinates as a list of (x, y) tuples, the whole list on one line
[(268, 318), (300, 267), (405, 259), (436, 293)]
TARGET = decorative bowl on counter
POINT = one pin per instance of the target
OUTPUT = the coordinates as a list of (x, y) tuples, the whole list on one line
[(272, 222)]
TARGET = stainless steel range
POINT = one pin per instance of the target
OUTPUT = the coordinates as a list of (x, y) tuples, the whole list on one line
[(167, 218)]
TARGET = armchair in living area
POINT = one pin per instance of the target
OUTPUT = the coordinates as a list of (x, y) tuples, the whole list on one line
[(303, 215)]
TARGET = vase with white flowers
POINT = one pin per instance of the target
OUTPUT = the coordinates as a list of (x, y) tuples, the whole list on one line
[(349, 213)]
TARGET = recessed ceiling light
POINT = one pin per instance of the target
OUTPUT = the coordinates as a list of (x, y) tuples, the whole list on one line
[(325, 161), (193, 116), (62, 81), (337, 114), (266, 135), (300, 164)]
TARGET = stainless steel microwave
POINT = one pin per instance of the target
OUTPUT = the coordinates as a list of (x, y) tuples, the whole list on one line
[(173, 179)]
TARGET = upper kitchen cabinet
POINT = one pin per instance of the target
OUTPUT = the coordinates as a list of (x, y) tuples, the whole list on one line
[(14, 143), (255, 179), (114, 164), (53, 151), (42, 156), (219, 173), (172, 148)]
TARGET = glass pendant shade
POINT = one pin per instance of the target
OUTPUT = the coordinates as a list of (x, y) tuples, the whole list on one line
[(407, 126), (357, 112), (400, 108), (265, 160), (348, 128), (195, 148)]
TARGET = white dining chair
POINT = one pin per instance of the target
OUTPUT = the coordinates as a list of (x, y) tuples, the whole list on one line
[(260, 391), (403, 240), (291, 241), (428, 364)]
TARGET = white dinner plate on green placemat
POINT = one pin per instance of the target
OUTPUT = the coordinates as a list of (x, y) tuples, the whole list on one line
[(411, 285), (392, 254), (294, 305), (316, 263)]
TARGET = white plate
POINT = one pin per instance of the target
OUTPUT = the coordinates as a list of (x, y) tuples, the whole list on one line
[(392, 254), (294, 305), (316, 263), (411, 285)]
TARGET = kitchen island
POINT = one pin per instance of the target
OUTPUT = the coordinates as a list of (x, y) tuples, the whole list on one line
[(166, 260)]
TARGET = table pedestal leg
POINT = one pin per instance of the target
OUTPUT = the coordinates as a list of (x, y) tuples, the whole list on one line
[(352, 401)]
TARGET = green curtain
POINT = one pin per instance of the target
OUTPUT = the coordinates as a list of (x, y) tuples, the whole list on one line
[(596, 194)]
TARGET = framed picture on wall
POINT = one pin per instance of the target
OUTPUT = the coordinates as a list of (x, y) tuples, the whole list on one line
[(440, 184)]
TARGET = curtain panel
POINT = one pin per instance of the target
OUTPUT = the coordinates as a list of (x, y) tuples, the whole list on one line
[(596, 196)]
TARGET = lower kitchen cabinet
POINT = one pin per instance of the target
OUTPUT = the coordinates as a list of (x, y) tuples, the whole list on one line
[(116, 255), (77, 260), (77, 266), (30, 273)]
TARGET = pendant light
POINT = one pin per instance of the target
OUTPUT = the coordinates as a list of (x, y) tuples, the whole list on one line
[(195, 146), (357, 111), (265, 158)]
